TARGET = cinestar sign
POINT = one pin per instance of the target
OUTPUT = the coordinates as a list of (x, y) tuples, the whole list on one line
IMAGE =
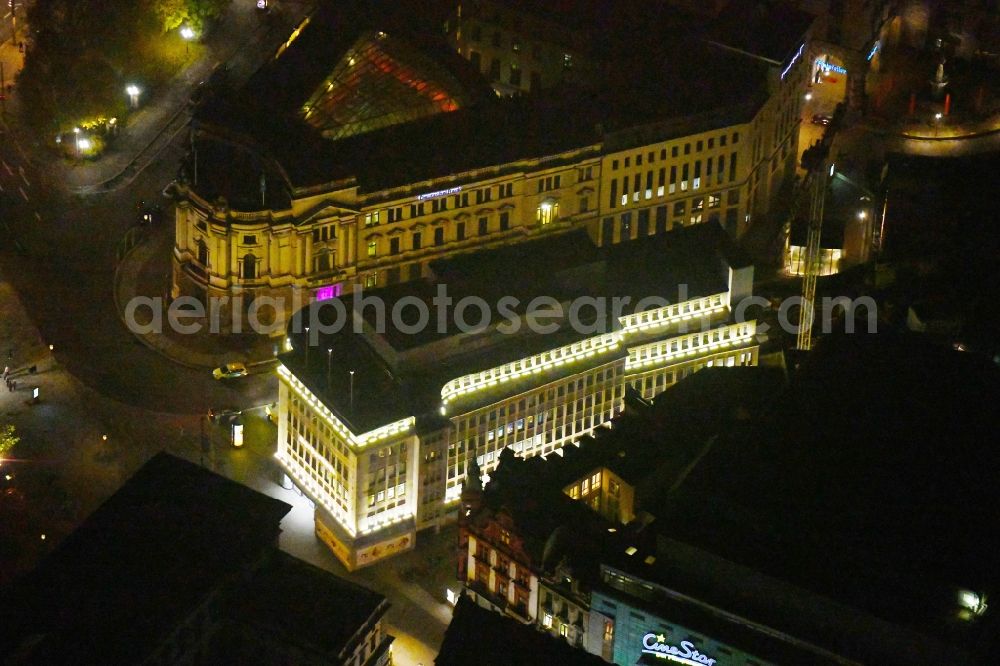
[(684, 653)]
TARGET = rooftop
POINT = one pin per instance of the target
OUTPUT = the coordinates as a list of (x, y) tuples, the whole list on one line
[(145, 559), (861, 485), (652, 448), (549, 522), (768, 29), (307, 605), (389, 360), (397, 106), (480, 637)]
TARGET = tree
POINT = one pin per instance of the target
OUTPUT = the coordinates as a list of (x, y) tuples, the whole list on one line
[(195, 13), (8, 439)]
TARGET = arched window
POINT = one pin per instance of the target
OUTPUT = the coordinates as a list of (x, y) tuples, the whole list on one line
[(249, 267)]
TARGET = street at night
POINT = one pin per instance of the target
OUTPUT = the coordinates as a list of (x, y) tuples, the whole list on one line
[(499, 332)]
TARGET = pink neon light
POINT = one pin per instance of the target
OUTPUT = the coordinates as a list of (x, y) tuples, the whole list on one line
[(329, 291)]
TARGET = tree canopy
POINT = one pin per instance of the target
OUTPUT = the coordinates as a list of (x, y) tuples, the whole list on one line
[(83, 53), (8, 439)]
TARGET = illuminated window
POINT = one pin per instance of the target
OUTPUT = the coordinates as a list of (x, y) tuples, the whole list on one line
[(698, 203), (567, 60), (714, 200), (563, 630), (371, 219), (585, 487), (372, 248), (505, 537), (547, 621), (371, 280), (595, 481), (609, 631), (548, 211)]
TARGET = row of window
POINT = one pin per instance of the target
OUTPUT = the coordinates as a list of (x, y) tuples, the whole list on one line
[(690, 175), (674, 151), (439, 204), (417, 237)]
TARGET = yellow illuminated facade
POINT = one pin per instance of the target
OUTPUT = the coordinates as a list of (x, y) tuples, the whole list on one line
[(374, 490)]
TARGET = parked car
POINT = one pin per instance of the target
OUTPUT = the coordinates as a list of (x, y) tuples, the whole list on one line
[(230, 371), (822, 119)]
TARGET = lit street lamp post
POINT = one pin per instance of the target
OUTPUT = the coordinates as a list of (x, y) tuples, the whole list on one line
[(133, 94), (76, 133), (329, 356), (187, 34)]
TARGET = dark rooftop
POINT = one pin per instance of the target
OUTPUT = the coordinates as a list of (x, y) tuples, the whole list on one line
[(769, 29), (483, 131), (144, 560), (412, 368), (480, 637), (300, 602), (864, 484), (652, 448), (551, 524)]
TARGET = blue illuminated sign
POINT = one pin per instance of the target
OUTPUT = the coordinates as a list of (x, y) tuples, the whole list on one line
[(830, 67), (875, 48)]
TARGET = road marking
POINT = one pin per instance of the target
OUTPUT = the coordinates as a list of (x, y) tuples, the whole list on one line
[(20, 170), (21, 190), (7, 166), (37, 216)]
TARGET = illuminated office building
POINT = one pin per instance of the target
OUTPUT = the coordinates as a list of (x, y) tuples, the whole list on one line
[(380, 426)]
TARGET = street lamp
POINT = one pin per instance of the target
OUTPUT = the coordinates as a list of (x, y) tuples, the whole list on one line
[(307, 347), (76, 132), (329, 356), (187, 34), (133, 94)]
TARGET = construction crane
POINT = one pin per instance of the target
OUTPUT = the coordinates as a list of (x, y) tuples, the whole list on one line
[(814, 159)]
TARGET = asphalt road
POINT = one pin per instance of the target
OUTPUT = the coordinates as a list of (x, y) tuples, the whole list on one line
[(64, 271)]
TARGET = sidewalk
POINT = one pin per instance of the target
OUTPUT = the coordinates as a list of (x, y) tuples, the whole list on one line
[(240, 41), (145, 272), (64, 467)]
